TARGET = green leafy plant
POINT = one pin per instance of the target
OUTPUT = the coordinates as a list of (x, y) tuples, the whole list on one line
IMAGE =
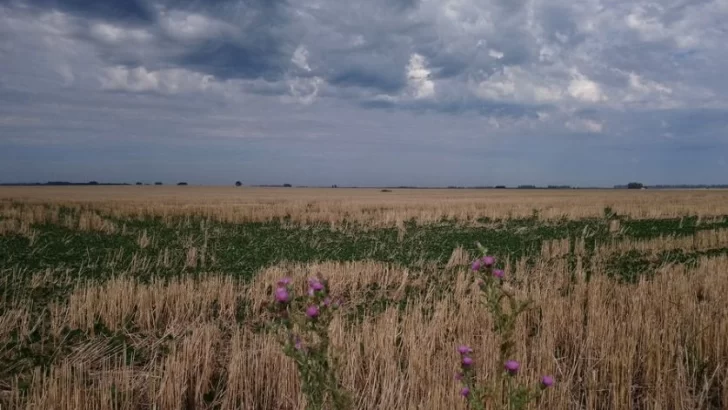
[(504, 390)]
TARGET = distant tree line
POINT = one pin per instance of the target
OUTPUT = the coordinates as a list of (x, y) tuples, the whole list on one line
[(635, 185), (630, 185), (690, 186), (638, 185), (66, 183), (517, 187), (63, 183)]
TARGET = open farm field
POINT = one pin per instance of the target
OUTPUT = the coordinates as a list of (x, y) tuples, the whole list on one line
[(371, 207), (156, 297)]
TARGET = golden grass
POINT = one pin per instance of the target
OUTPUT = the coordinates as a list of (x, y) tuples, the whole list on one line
[(659, 344), (701, 241), (366, 207)]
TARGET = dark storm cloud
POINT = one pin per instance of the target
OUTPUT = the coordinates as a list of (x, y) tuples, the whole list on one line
[(560, 25), (387, 80), (128, 11), (261, 58)]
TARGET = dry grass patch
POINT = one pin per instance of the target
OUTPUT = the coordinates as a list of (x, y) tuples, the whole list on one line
[(700, 241)]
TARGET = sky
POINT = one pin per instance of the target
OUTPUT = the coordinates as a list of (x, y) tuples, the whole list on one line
[(366, 93)]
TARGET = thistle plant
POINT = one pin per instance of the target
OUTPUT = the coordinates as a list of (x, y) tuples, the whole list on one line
[(301, 324), (503, 390)]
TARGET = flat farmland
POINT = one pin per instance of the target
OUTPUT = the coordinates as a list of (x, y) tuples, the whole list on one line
[(154, 297)]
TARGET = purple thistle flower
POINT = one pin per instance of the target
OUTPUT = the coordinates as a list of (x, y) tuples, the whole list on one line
[(512, 366), (459, 376), (282, 295), (476, 265), (467, 361), (298, 345), (465, 391), (546, 382), (312, 311), (283, 282), (488, 261), (327, 301), (498, 273), (315, 285), (463, 349)]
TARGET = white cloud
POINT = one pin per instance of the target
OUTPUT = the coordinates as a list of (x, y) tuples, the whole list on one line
[(563, 38), (305, 90), (495, 54), (111, 34), (548, 53), (517, 84), (172, 81), (193, 27), (649, 27), (639, 84), (463, 16), (418, 78), (685, 32), (584, 89), (646, 92), (357, 40), (584, 125), (300, 58)]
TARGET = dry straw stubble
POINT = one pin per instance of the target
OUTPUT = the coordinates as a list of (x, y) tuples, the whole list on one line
[(656, 344)]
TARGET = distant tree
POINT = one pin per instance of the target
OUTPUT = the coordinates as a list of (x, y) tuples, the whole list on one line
[(238, 183), (287, 185), (139, 183), (182, 183), (635, 185), (93, 183), (500, 187), (157, 183)]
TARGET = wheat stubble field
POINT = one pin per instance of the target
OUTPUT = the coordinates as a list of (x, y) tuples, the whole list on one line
[(150, 297)]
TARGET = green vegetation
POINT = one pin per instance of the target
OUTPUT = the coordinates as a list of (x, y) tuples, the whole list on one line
[(244, 249)]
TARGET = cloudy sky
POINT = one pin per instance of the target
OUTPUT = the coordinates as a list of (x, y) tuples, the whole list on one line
[(376, 92)]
